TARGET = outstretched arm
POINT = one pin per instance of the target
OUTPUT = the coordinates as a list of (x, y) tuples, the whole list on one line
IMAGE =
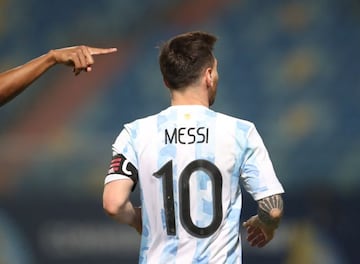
[(14, 81), (261, 227)]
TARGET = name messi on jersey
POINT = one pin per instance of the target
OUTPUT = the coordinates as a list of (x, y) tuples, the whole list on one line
[(187, 135)]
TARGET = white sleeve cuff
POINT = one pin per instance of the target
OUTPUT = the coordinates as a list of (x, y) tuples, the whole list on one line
[(114, 177)]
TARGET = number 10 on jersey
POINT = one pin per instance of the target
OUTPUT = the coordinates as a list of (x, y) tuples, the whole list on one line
[(166, 174)]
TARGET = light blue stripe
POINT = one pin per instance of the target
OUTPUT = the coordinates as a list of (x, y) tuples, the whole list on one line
[(202, 151)]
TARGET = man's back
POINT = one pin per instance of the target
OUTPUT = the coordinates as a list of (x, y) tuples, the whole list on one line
[(191, 161)]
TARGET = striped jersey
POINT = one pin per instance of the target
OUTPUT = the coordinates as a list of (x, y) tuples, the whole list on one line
[(190, 163)]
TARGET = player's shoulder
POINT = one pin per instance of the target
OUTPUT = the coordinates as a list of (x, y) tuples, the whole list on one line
[(139, 128), (242, 124)]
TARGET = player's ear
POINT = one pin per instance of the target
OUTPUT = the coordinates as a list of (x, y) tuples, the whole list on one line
[(166, 83), (209, 77)]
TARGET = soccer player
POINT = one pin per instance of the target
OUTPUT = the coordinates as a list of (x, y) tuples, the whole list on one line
[(14, 81), (190, 162)]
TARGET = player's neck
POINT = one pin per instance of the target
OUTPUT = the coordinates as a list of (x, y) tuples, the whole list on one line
[(190, 96)]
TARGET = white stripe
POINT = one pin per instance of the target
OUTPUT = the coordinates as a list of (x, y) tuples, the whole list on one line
[(114, 177)]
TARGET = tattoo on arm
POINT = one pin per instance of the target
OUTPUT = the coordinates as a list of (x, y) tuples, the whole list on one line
[(268, 206)]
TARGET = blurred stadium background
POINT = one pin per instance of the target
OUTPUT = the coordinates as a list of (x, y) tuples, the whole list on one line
[(292, 67)]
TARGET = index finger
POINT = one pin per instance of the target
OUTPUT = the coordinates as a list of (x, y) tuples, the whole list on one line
[(99, 51)]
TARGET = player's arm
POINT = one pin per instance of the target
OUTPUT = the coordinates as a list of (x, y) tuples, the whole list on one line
[(270, 210), (120, 181), (261, 227), (117, 204), (14, 81)]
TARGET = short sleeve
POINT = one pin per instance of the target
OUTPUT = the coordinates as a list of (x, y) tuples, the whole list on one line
[(123, 164), (257, 173)]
